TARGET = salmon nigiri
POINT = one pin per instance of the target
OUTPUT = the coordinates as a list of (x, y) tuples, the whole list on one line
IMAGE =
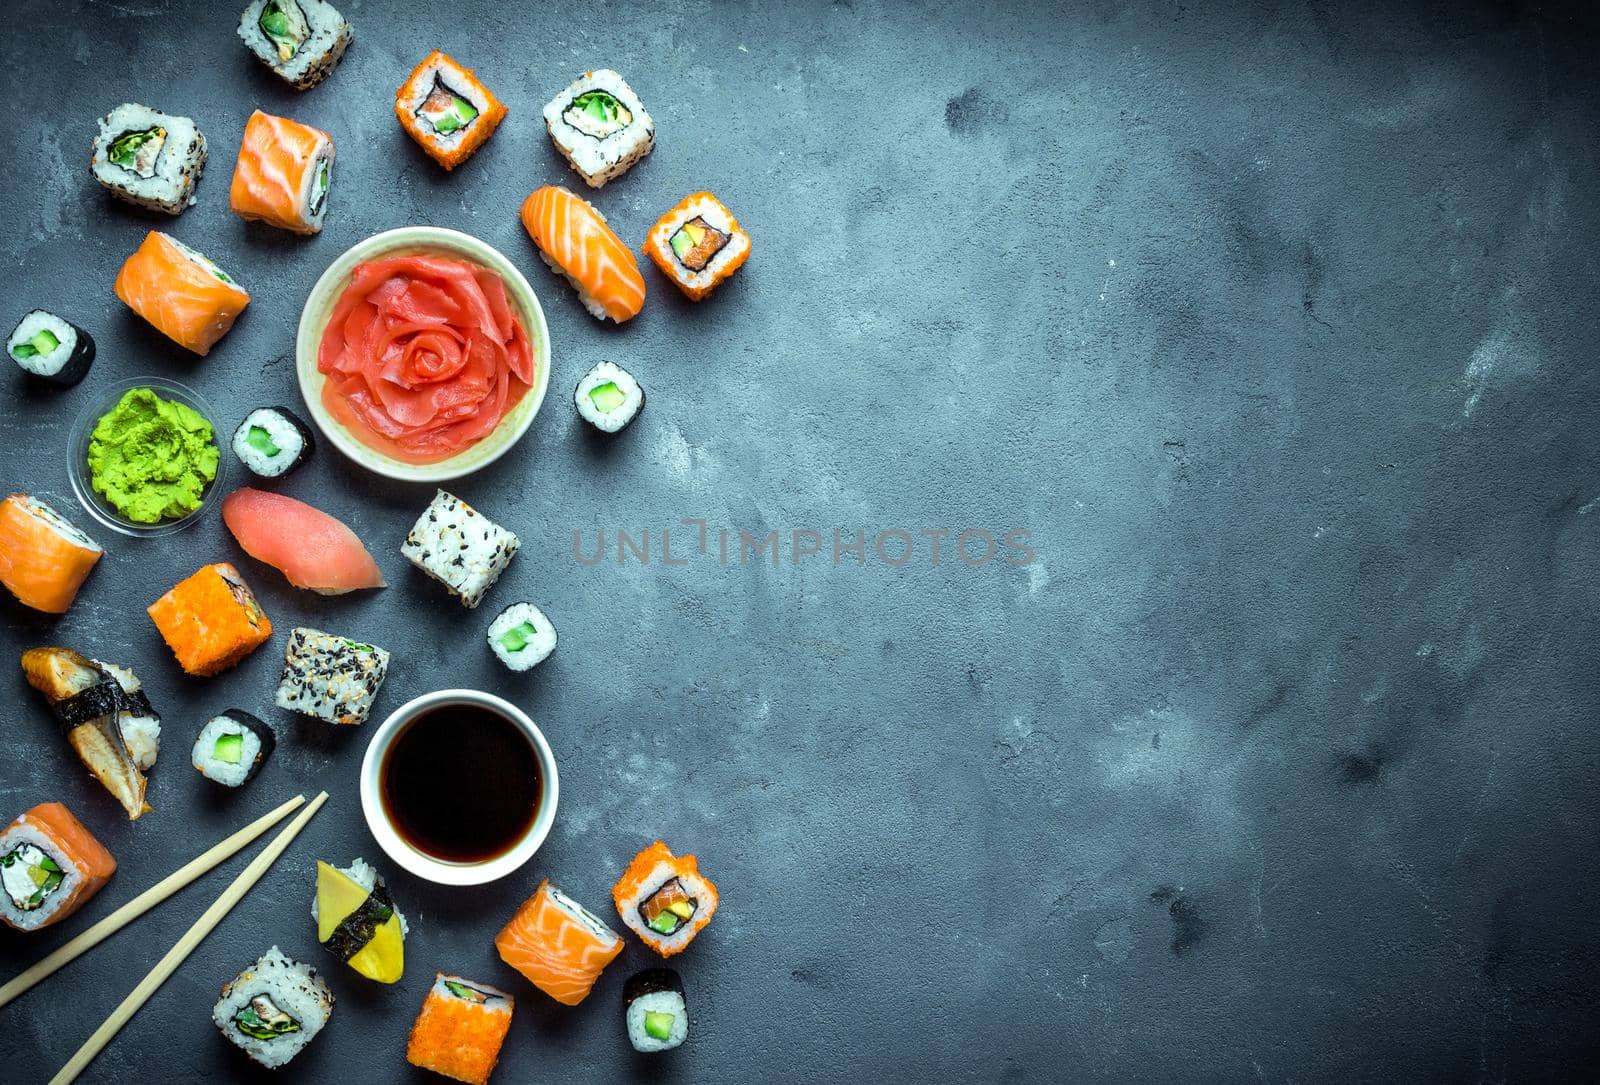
[(311, 548), (189, 299), (558, 944), (51, 865), (283, 174), (575, 241), (44, 558)]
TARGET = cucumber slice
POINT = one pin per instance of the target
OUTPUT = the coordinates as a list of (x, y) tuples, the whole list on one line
[(260, 440), (517, 637)]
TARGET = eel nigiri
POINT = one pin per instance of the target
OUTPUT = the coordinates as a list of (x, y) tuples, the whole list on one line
[(44, 559), (87, 702), (575, 241), (283, 174), (186, 297), (311, 548)]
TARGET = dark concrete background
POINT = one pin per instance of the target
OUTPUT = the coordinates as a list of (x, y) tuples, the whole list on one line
[(1273, 323)]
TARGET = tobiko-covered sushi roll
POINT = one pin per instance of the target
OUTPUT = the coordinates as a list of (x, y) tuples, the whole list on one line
[(44, 557), (358, 922), (232, 748), (273, 1009), (272, 441), (149, 158), (460, 547), (608, 397), (460, 1029), (300, 40), (51, 349), (698, 245), (447, 110), (211, 620), (330, 678), (522, 637), (654, 1011), (283, 174), (50, 865), (600, 126), (664, 899)]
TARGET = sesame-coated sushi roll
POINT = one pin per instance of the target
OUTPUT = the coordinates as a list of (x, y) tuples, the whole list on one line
[(522, 637), (447, 110), (608, 398), (664, 899), (283, 174), (211, 620), (50, 865), (232, 748), (272, 441), (274, 1008), (329, 678), (149, 158), (654, 1011), (300, 40), (53, 350), (600, 126), (460, 1029), (698, 245), (460, 547)]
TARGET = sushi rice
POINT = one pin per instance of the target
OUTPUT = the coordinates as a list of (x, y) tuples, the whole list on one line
[(654, 1011), (284, 1003), (600, 126), (24, 847), (330, 678), (232, 748), (459, 547), (522, 637)]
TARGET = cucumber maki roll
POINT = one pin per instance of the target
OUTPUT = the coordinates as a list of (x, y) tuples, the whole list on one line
[(272, 441), (608, 397), (232, 748), (654, 1010), (51, 349), (522, 637)]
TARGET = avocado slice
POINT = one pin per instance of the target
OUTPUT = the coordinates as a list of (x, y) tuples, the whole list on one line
[(682, 243), (666, 922), (468, 994), (517, 637), (659, 1025), (229, 748), (260, 440), (285, 27), (607, 397), (460, 114)]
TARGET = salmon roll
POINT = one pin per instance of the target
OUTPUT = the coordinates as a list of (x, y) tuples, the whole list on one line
[(44, 558), (698, 245), (183, 295), (664, 899), (558, 944), (575, 241), (50, 866), (283, 174), (460, 1029), (211, 621), (445, 108)]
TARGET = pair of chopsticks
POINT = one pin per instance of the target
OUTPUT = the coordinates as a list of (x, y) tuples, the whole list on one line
[(185, 945)]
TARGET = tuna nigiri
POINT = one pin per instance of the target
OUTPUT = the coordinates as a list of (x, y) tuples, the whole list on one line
[(283, 174), (43, 558), (311, 548), (186, 297), (575, 241), (50, 865), (558, 944)]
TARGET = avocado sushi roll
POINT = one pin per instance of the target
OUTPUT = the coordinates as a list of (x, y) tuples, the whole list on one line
[(608, 398), (300, 40), (272, 441), (654, 1011), (149, 158), (51, 349), (600, 126), (232, 748), (522, 637), (273, 1009)]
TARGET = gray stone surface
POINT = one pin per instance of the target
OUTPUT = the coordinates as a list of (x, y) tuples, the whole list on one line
[(1273, 323)]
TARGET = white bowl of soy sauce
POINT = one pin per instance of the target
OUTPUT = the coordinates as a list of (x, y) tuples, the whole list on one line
[(459, 787)]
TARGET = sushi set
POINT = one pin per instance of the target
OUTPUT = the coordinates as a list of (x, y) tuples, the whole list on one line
[(422, 354)]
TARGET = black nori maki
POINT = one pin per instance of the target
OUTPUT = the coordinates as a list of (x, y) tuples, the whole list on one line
[(654, 1011), (272, 441), (233, 747), (51, 349)]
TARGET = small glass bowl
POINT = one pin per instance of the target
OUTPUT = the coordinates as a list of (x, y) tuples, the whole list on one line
[(78, 453)]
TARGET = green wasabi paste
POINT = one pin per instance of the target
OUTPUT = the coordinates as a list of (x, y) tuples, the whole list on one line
[(152, 458)]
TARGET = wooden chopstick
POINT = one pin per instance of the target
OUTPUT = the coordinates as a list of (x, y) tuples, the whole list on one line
[(185, 945), (142, 903)]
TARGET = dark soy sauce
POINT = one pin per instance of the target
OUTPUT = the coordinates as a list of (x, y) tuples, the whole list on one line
[(461, 783)]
